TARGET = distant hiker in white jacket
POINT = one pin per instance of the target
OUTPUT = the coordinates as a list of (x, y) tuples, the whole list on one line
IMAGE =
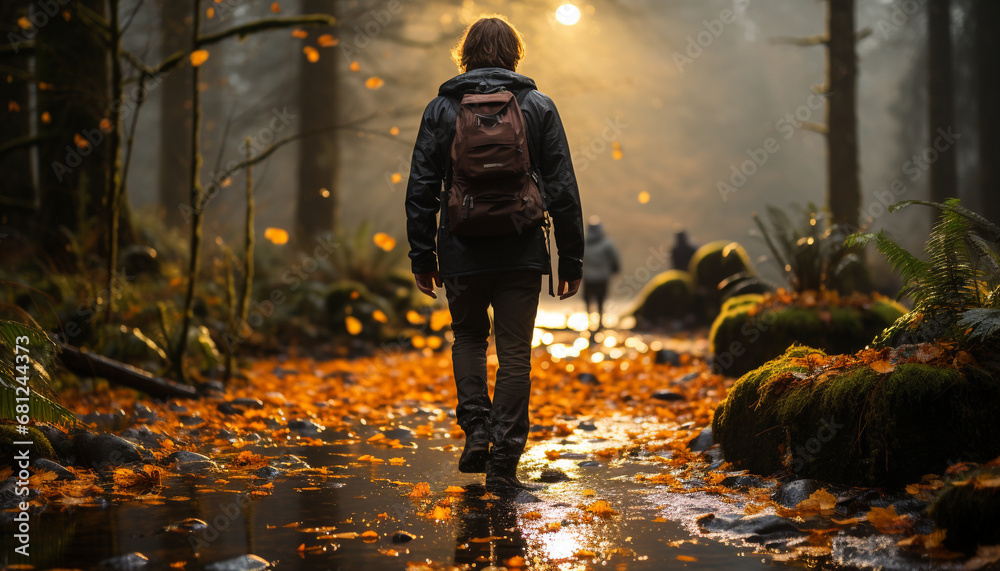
[(600, 262)]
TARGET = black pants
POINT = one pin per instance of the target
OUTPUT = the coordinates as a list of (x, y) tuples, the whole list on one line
[(596, 292), (514, 297)]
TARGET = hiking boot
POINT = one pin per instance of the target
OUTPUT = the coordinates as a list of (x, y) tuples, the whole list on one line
[(507, 484), (501, 477), (476, 452)]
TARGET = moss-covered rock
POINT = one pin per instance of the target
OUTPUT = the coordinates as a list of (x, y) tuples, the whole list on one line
[(855, 425), (744, 335), (969, 510), (665, 298), (715, 262), (39, 449)]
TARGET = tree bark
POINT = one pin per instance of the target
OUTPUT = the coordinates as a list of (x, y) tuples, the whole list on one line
[(317, 212), (844, 184), (175, 116), (197, 197), (986, 15), (17, 193), (71, 66), (944, 171)]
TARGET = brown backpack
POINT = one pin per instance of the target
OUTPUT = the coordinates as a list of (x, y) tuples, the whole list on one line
[(494, 190)]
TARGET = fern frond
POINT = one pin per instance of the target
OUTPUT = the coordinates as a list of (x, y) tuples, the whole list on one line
[(954, 205), (983, 324), (910, 268), (20, 340)]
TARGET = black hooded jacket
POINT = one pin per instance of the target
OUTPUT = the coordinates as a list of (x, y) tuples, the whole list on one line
[(456, 256)]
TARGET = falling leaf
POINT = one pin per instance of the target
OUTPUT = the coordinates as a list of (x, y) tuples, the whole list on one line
[(616, 153), (312, 54), (210, 13), (276, 235), (384, 241), (355, 66), (440, 319), (644, 197), (198, 57), (275, 7), (106, 125), (394, 131), (46, 117), (24, 23), (13, 107), (374, 82), (327, 41), (300, 34), (353, 325), (415, 318), (45, 86), (80, 141), (396, 178)]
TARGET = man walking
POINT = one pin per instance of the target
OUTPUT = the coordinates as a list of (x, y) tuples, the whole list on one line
[(503, 271), (599, 263)]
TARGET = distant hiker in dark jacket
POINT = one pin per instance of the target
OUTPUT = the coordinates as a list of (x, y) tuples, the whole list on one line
[(504, 272), (682, 251), (600, 262)]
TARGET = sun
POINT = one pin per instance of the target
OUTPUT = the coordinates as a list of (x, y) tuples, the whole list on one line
[(568, 14)]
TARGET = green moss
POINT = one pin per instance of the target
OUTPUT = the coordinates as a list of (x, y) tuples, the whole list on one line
[(968, 513), (41, 448), (666, 297), (859, 427), (715, 262), (743, 339)]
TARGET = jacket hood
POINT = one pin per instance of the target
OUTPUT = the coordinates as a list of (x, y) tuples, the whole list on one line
[(595, 232), (485, 80)]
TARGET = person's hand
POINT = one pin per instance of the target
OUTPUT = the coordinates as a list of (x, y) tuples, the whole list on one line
[(568, 289), (426, 282)]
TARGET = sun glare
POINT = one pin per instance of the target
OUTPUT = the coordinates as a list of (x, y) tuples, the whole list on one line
[(568, 14)]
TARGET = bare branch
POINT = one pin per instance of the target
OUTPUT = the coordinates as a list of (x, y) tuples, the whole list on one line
[(239, 31), (816, 127), (816, 40)]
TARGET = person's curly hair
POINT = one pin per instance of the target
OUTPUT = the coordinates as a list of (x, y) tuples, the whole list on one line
[(491, 41)]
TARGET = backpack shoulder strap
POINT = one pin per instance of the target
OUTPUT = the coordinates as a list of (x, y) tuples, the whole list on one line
[(521, 95)]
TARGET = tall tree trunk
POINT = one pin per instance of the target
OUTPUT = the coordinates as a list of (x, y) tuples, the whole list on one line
[(944, 171), (71, 66), (986, 15), (17, 193), (317, 212), (197, 197), (844, 184), (175, 116)]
